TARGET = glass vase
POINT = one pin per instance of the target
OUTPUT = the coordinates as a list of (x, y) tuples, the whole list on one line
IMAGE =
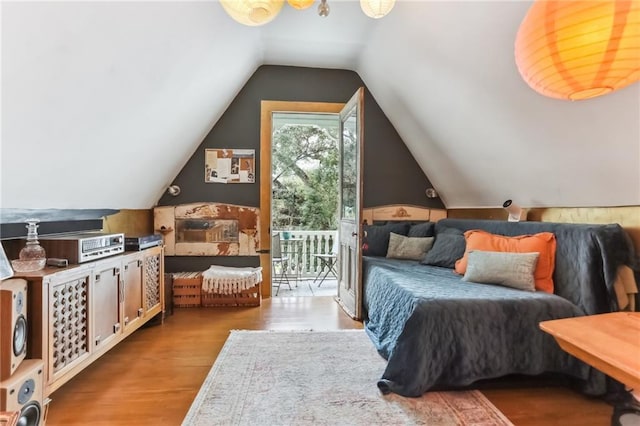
[(32, 250), (32, 257)]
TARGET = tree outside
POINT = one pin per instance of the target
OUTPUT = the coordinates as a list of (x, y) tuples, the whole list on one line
[(304, 178)]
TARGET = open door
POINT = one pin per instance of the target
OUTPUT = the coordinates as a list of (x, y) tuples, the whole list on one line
[(350, 206), (267, 109)]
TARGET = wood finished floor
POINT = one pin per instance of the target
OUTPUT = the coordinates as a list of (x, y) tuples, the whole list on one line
[(152, 377)]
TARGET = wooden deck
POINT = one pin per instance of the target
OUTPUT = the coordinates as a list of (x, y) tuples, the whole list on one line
[(308, 288)]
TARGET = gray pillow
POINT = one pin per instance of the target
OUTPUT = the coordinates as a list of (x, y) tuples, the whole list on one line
[(448, 247), (503, 268), (401, 247), (424, 229)]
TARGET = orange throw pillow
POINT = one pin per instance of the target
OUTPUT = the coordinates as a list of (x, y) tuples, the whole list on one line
[(543, 243)]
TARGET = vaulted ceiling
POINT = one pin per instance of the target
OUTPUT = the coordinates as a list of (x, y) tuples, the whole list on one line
[(104, 102)]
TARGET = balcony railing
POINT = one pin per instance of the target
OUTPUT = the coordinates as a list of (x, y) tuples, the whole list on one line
[(300, 246)]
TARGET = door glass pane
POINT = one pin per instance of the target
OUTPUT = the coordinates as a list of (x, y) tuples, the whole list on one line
[(349, 147)]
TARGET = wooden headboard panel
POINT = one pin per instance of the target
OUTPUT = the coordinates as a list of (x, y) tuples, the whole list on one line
[(208, 229), (402, 212)]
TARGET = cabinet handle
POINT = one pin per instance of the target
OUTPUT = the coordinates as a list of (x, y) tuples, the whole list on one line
[(139, 263), (140, 312), (97, 277), (116, 327), (126, 320), (116, 271), (98, 339)]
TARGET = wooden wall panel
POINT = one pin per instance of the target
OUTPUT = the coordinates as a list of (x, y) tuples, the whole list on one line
[(402, 212), (493, 214), (129, 222), (164, 220), (214, 242), (628, 217)]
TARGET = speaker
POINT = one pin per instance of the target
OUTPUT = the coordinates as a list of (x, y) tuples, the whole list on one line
[(13, 325), (23, 392)]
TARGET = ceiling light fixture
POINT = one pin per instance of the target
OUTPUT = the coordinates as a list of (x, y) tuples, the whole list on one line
[(259, 12), (300, 4), (576, 50), (376, 9), (252, 12), (323, 8)]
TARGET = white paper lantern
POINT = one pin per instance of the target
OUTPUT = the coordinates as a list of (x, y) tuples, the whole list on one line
[(377, 8), (252, 12)]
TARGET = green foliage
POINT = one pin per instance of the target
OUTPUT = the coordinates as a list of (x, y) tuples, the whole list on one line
[(305, 178)]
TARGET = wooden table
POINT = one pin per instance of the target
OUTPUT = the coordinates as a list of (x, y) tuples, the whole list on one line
[(608, 342)]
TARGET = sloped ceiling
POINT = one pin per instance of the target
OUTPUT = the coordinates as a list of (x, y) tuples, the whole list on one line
[(104, 102)]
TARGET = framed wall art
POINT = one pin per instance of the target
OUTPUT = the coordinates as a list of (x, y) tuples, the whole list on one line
[(230, 165)]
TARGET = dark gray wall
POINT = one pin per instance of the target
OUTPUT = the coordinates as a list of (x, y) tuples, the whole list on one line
[(391, 175)]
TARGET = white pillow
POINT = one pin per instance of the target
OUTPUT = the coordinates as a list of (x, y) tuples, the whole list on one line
[(503, 268), (414, 248)]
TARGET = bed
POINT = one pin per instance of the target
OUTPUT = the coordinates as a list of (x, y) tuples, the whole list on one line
[(440, 332)]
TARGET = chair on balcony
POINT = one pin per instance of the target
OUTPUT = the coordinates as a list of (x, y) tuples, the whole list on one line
[(328, 263), (279, 261)]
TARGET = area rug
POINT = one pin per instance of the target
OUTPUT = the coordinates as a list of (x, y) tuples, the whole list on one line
[(319, 378)]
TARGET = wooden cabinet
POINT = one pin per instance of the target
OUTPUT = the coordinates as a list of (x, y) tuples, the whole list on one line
[(141, 284), (67, 324), (132, 295), (78, 313), (153, 281), (106, 296)]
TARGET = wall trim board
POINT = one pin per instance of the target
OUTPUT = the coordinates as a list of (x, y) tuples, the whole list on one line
[(19, 230), (9, 215)]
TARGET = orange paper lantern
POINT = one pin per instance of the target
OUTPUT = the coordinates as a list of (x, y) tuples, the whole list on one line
[(579, 49), (300, 4)]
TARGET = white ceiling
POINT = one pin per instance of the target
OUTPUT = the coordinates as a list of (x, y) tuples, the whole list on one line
[(104, 102)]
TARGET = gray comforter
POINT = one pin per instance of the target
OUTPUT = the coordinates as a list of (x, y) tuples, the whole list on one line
[(437, 331), (442, 332)]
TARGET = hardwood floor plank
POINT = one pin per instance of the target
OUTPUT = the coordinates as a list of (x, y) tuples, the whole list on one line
[(550, 406), (152, 377)]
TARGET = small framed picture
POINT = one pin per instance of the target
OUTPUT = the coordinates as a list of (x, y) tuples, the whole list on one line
[(229, 166), (5, 267)]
